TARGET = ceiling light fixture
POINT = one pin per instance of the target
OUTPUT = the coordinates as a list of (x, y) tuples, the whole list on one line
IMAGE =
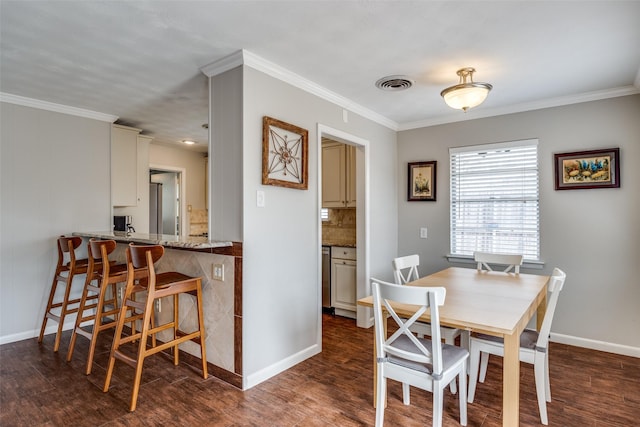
[(188, 142), (467, 93)]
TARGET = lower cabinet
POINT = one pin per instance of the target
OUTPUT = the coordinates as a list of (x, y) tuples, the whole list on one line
[(343, 278)]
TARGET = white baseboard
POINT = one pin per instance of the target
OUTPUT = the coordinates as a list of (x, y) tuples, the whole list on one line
[(281, 366), (51, 329), (624, 350)]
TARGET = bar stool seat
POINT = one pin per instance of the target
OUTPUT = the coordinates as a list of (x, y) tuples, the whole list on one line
[(153, 286), (65, 272), (102, 276)]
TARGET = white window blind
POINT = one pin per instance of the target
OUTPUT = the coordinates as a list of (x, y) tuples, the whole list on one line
[(494, 199)]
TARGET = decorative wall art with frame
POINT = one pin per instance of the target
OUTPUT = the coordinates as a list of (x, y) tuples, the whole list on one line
[(587, 169), (284, 154), (422, 181)]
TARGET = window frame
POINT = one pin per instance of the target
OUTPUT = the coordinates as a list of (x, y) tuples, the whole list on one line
[(461, 254)]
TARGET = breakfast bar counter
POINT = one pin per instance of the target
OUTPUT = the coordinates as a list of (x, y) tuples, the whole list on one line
[(166, 240), (221, 292)]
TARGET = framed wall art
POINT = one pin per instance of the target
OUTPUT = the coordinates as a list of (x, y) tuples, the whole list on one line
[(587, 169), (422, 181), (284, 154)]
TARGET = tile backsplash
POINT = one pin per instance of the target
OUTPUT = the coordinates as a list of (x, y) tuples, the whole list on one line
[(198, 222), (340, 229)]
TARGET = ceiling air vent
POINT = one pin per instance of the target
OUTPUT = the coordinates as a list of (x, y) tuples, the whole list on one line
[(394, 83)]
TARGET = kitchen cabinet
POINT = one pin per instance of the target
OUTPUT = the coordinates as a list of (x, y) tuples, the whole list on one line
[(338, 175), (343, 280), (124, 165), (140, 212)]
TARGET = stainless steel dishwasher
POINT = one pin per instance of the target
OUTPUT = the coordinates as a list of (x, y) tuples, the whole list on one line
[(326, 280)]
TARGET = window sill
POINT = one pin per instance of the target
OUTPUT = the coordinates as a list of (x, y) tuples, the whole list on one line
[(467, 259)]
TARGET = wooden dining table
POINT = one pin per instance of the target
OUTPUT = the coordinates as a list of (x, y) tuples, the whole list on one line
[(492, 303)]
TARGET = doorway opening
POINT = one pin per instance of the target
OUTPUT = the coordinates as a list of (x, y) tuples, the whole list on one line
[(167, 213), (360, 149)]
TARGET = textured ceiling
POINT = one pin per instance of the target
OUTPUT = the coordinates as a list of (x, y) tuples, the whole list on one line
[(141, 60)]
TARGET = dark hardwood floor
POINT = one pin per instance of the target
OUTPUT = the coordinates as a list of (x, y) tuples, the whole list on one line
[(334, 388)]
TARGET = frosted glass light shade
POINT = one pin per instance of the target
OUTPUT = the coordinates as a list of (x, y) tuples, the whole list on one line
[(463, 97), (466, 94)]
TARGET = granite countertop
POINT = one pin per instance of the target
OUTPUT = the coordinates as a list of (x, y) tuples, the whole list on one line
[(156, 239), (338, 243)]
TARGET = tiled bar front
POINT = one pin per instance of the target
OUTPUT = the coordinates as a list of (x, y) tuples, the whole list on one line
[(221, 300)]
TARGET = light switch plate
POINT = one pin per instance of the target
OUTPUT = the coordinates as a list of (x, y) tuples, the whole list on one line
[(423, 232), (218, 272)]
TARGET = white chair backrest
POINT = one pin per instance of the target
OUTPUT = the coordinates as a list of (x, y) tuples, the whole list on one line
[(556, 283), (512, 261), (421, 297), (405, 269)]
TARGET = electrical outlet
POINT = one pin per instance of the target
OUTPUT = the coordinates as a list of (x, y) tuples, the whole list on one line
[(423, 232), (218, 272)]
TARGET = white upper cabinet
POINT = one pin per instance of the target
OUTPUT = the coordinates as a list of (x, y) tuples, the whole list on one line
[(124, 168), (338, 175)]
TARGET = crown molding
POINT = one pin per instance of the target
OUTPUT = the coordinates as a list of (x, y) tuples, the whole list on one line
[(58, 108), (224, 64), (244, 57), (519, 108)]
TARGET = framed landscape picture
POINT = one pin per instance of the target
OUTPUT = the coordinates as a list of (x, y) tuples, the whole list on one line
[(587, 169), (422, 181)]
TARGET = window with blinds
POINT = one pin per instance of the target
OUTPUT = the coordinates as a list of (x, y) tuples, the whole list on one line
[(494, 199)]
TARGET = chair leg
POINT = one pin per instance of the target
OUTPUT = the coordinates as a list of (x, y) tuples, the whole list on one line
[(116, 341), (52, 294), (203, 346), (79, 317), (539, 373), (63, 311), (381, 396), (97, 327), (142, 351), (176, 317), (546, 376), (462, 398), (406, 394), (484, 362), (452, 384), (438, 404), (474, 361)]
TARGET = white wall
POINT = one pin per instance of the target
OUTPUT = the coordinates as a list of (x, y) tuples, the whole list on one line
[(54, 180), (225, 154), (281, 240), (281, 246), (594, 235)]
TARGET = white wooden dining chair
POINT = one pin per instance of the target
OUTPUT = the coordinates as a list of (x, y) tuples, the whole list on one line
[(534, 349), (405, 269), (511, 261), (427, 364)]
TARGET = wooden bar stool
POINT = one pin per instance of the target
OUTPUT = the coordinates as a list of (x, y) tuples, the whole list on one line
[(156, 286), (98, 282), (65, 272)]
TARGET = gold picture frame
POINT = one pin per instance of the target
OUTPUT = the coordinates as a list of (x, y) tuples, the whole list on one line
[(284, 154)]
